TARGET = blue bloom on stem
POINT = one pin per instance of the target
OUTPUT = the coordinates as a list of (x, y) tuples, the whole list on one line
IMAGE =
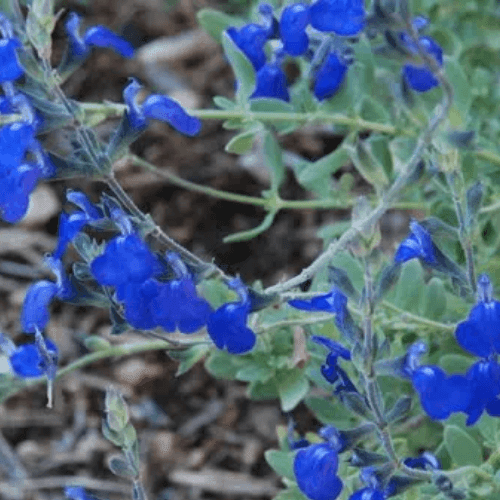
[(10, 69), (343, 17), (126, 259), (329, 77), (425, 461), (77, 493), (441, 395), (35, 310), (418, 244), (480, 332), (293, 24), (227, 325), (315, 469), (96, 36), (330, 369), (484, 378), (250, 39), (368, 494), (157, 107), (271, 82), (420, 78), (177, 305), (28, 362)]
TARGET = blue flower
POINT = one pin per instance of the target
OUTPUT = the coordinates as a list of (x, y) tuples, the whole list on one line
[(480, 333), (484, 378), (96, 36), (126, 259), (334, 302), (441, 395), (425, 461), (250, 39), (76, 493), (343, 17), (330, 369), (28, 362), (418, 244), (177, 305), (271, 82), (15, 139), (315, 469), (329, 77), (35, 309), (293, 24), (10, 68), (157, 107), (138, 300), (419, 78), (227, 325), (368, 494)]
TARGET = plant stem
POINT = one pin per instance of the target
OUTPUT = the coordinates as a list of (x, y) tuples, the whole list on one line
[(418, 319), (157, 233)]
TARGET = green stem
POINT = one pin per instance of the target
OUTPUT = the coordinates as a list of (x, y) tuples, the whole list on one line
[(419, 319)]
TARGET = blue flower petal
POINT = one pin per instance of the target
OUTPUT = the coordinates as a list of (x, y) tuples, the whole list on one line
[(227, 328), (315, 469), (441, 395), (250, 39), (418, 244), (343, 17), (125, 259), (332, 346), (329, 77), (419, 78), (69, 226), (99, 36), (138, 298), (271, 82), (484, 377), (293, 24), (15, 140), (76, 493), (162, 107), (368, 494), (26, 361), (10, 69), (35, 310), (15, 191), (480, 333)]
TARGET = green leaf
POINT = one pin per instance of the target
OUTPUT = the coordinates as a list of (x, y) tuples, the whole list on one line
[(292, 388), (410, 287), (259, 391), (281, 462), (223, 102), (120, 467), (222, 365), (242, 143), (462, 98), (374, 111), (242, 67), (453, 363), (488, 427), (255, 371), (96, 343), (188, 357), (463, 449), (274, 157), (329, 412), (434, 299), (215, 22), (316, 175)]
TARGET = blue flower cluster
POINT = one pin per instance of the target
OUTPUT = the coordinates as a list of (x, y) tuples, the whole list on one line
[(316, 466), (301, 30), (478, 389), (153, 290), (318, 33), (22, 160)]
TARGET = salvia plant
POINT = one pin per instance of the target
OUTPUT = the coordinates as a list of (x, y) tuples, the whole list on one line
[(394, 352)]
